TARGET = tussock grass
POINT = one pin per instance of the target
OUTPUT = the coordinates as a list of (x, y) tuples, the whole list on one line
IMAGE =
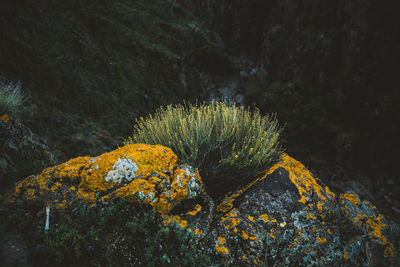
[(11, 97), (228, 144)]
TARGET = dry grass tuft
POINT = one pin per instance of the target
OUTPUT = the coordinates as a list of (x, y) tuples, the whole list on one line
[(228, 144)]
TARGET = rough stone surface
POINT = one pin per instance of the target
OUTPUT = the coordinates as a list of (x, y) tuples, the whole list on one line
[(285, 217), (138, 172), (21, 151)]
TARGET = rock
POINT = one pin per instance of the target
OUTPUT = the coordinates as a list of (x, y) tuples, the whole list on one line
[(281, 218), (287, 217), (376, 234), (284, 217), (22, 152), (139, 172)]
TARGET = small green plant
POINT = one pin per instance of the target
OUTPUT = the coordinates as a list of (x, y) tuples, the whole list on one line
[(11, 97), (109, 234), (228, 144)]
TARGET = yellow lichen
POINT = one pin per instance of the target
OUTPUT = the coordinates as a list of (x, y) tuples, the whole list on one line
[(293, 243), (389, 251), (305, 183), (219, 247), (5, 118), (197, 208), (158, 181), (198, 232), (245, 235), (352, 198), (272, 233), (321, 240), (230, 219), (176, 220), (222, 249), (372, 222), (345, 256), (264, 217)]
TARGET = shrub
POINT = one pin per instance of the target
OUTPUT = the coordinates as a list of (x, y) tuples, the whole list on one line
[(228, 144), (109, 234), (11, 97)]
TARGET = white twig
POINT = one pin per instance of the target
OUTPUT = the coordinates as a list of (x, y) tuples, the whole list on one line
[(47, 225)]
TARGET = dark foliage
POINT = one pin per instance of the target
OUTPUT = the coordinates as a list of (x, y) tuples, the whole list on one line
[(115, 234), (93, 66)]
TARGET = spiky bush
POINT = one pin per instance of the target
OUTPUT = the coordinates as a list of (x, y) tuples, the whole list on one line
[(228, 144), (11, 97)]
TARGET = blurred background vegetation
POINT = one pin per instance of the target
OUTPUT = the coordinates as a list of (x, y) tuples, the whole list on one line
[(328, 68)]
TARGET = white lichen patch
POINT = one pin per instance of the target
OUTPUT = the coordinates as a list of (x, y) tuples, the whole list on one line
[(150, 196), (194, 186), (124, 170)]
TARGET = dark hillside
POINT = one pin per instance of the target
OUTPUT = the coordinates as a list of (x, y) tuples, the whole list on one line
[(329, 69), (93, 66)]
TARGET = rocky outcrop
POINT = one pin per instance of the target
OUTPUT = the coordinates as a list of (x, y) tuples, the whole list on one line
[(22, 152), (285, 217), (139, 172)]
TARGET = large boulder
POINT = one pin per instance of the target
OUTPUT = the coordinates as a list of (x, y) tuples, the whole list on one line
[(288, 217), (284, 217), (139, 172), (21, 151)]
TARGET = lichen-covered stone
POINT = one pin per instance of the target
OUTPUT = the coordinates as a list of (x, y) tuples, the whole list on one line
[(21, 151), (378, 239), (285, 217), (139, 172), (281, 218)]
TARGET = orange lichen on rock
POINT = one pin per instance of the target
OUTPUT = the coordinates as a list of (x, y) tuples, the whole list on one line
[(146, 173), (303, 180), (272, 233), (219, 247), (230, 220), (176, 220), (264, 217), (196, 210), (198, 232), (345, 256), (351, 197), (5, 118), (365, 216), (245, 235), (305, 183)]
